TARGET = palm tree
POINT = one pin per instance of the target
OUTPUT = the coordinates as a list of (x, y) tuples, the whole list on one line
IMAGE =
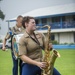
[(2, 16), (0, 27)]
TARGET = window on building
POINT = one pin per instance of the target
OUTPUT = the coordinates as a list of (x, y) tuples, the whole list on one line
[(73, 17), (74, 37), (37, 21), (63, 18), (44, 20), (52, 37), (55, 19)]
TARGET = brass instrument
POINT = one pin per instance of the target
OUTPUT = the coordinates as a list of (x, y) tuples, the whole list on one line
[(48, 57)]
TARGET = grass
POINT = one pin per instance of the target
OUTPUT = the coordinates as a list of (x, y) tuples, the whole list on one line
[(65, 64), (5, 63)]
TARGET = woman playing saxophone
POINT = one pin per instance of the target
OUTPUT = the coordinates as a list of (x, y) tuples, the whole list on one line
[(30, 49)]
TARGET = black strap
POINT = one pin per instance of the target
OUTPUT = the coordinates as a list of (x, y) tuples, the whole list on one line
[(36, 40), (14, 29)]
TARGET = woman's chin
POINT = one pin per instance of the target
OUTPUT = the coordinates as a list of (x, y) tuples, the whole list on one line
[(34, 29)]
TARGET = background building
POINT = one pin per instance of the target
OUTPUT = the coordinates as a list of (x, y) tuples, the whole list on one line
[(61, 18)]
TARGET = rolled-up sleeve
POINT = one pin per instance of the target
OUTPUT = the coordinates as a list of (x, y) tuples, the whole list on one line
[(22, 47), (7, 36)]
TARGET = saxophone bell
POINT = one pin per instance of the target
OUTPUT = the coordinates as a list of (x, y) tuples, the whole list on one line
[(56, 53)]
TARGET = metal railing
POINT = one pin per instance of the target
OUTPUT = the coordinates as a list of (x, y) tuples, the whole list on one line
[(58, 25)]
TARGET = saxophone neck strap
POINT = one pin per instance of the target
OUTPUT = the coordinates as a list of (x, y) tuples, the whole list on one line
[(35, 40)]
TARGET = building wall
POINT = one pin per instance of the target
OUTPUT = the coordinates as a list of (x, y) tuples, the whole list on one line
[(57, 37), (64, 37), (2, 37)]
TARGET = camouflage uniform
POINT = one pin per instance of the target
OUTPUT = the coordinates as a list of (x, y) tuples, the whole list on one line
[(15, 30)]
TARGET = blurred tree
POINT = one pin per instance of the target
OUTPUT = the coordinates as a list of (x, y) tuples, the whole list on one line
[(2, 16), (0, 27)]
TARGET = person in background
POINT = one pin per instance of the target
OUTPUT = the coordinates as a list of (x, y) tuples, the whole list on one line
[(18, 28), (29, 49)]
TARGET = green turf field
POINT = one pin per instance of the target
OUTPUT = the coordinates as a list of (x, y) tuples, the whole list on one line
[(65, 64)]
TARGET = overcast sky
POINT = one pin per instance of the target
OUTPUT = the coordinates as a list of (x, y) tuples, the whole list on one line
[(13, 8)]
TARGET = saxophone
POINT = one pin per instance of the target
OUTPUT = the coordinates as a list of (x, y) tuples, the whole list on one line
[(49, 57)]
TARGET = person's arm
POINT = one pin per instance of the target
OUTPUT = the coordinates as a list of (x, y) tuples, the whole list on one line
[(50, 46), (4, 43), (30, 61)]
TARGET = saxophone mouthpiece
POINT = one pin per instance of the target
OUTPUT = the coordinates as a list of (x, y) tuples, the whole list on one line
[(38, 27), (48, 26)]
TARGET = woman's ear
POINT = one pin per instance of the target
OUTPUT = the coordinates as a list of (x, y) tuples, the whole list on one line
[(16, 21), (26, 24)]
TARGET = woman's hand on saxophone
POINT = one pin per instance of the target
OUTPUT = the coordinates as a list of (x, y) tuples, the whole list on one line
[(50, 46), (41, 64)]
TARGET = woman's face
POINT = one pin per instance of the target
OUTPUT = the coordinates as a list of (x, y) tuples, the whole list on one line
[(31, 25)]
